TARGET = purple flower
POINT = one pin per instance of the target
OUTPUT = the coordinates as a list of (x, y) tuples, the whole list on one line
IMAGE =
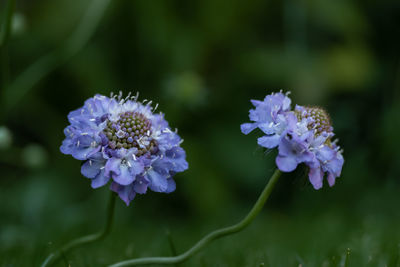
[(269, 116), (124, 141), (303, 136)]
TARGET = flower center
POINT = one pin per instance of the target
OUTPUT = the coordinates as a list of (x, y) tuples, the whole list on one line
[(319, 119), (132, 129)]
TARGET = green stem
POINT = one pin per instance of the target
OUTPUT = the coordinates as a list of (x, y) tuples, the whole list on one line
[(213, 235), (55, 257)]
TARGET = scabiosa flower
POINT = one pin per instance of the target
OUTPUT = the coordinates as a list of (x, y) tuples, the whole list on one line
[(124, 141), (303, 135)]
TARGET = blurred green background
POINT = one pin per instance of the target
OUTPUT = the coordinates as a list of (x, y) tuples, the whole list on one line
[(202, 61)]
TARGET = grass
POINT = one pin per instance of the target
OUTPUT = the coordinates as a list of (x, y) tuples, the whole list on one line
[(274, 239)]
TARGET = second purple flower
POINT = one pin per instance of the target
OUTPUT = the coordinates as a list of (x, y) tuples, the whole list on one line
[(302, 135)]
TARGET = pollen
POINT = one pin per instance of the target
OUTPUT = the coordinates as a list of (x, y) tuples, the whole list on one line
[(132, 129), (319, 119)]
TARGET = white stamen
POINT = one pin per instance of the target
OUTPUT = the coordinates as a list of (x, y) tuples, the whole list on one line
[(90, 162), (84, 133), (129, 164), (120, 134), (128, 96), (78, 143), (136, 96)]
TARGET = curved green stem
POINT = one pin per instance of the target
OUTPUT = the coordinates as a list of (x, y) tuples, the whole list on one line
[(213, 235), (55, 257)]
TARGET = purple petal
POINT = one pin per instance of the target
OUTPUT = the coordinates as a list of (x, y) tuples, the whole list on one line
[(140, 185), (246, 128), (286, 164), (136, 167), (112, 166), (67, 146), (171, 185), (316, 175), (158, 183), (126, 193), (125, 177), (331, 179), (267, 128), (269, 141), (84, 153), (100, 180), (91, 168)]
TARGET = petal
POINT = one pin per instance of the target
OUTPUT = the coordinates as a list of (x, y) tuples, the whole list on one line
[(91, 168), (331, 179), (136, 167), (67, 146), (112, 166), (140, 185), (125, 177), (315, 176), (267, 128), (171, 185), (269, 141), (246, 128), (126, 193), (325, 153), (285, 146), (158, 182), (177, 159), (100, 180), (83, 153), (255, 102), (286, 164)]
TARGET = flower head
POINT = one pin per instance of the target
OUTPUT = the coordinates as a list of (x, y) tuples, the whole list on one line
[(123, 140), (303, 135)]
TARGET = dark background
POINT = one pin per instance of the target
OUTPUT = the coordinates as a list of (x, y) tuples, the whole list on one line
[(203, 61)]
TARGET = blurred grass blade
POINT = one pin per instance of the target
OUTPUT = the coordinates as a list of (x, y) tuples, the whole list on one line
[(43, 66), (171, 243), (6, 23), (346, 261), (5, 29)]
